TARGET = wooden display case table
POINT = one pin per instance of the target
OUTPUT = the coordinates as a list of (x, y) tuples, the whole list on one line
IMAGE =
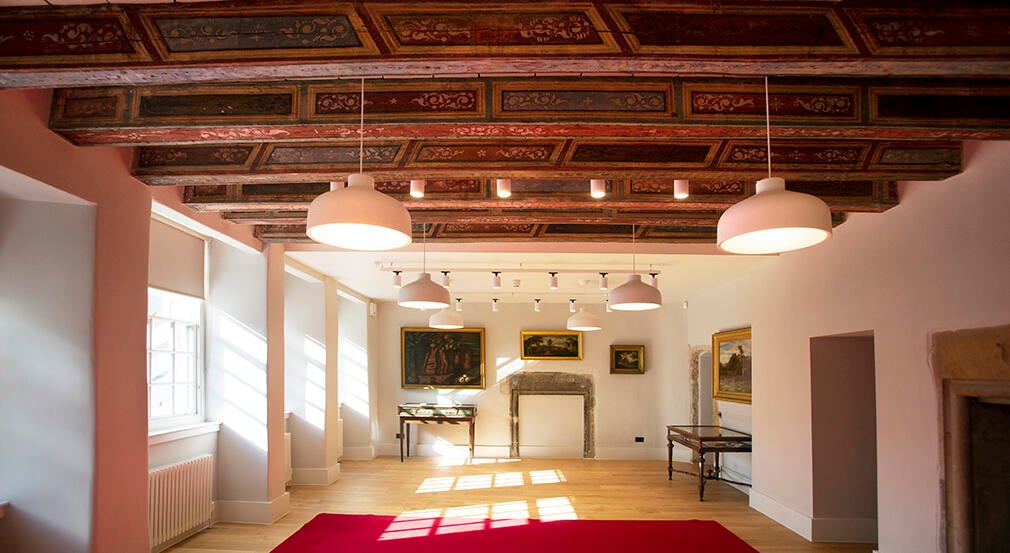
[(706, 439), (431, 413)]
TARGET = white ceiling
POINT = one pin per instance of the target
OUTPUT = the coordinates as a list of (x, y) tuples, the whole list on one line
[(684, 270)]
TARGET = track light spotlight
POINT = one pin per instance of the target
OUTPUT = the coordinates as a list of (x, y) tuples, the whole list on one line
[(681, 189), (417, 188), (503, 187)]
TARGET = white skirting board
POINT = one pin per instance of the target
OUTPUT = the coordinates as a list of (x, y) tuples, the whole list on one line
[(845, 530), (254, 512), (793, 520), (315, 476)]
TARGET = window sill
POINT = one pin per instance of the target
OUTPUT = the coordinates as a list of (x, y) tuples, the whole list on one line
[(181, 432)]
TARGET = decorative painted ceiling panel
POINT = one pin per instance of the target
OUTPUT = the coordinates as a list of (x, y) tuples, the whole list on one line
[(458, 28), (733, 30), (288, 162), (563, 108), (280, 31), (253, 107), (946, 30)]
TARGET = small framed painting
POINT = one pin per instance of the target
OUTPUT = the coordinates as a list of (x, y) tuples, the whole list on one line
[(432, 358), (551, 345), (627, 359), (731, 365)]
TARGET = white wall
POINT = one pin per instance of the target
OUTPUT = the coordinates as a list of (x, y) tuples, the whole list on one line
[(304, 370), (358, 406), (937, 261), (626, 405), (237, 379), (47, 411)]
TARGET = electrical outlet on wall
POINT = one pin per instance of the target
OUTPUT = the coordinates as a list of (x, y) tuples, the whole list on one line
[(639, 439), (397, 436)]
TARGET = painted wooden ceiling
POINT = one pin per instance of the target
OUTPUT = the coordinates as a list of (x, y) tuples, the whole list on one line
[(252, 107)]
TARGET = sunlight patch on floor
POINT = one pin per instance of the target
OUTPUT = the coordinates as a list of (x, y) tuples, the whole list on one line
[(550, 476), (474, 518), (455, 459), (489, 480), (556, 508)]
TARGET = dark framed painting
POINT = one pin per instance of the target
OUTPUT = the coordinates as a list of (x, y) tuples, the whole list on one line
[(627, 359), (731, 365), (551, 345), (432, 358)]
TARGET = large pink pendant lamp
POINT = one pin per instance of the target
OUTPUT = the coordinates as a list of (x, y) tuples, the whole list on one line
[(774, 220), (359, 217)]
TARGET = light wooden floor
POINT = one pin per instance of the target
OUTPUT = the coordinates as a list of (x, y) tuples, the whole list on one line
[(534, 488)]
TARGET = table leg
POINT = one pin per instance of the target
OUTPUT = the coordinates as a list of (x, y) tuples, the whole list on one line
[(401, 440), (701, 476), (408, 439), (472, 424), (669, 457)]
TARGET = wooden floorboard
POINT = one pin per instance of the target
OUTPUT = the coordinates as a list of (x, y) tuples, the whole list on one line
[(534, 488)]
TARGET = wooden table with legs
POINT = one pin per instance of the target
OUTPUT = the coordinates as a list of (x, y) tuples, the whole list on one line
[(426, 413), (706, 439)]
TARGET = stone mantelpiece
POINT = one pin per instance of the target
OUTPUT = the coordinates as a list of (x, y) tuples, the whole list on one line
[(552, 383)]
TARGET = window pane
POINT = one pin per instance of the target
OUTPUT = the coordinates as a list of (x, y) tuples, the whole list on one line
[(157, 303), (161, 400), (161, 334), (185, 402), (185, 337), (161, 368), (185, 367)]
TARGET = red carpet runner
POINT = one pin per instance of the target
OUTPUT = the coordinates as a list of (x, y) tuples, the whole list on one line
[(378, 534)]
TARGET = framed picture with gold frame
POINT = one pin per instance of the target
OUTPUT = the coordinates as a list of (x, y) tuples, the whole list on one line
[(731, 365), (627, 359), (433, 358), (551, 345)]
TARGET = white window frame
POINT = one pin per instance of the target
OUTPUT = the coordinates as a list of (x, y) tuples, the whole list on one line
[(167, 422)]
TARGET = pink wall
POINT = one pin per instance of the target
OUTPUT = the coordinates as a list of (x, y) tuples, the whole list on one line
[(936, 262), (101, 176)]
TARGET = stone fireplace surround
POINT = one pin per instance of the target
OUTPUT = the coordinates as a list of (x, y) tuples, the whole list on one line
[(552, 383), (968, 364)]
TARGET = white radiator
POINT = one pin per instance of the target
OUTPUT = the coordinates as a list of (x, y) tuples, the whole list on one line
[(180, 500)]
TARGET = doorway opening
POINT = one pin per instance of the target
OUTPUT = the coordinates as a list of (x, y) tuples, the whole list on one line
[(844, 438)]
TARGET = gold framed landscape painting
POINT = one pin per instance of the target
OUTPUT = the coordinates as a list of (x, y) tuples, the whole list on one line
[(432, 358), (627, 359), (551, 345), (731, 365)]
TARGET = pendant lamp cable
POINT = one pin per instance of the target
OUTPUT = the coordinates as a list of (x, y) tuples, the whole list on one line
[(633, 267), (361, 129), (768, 127), (424, 247)]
